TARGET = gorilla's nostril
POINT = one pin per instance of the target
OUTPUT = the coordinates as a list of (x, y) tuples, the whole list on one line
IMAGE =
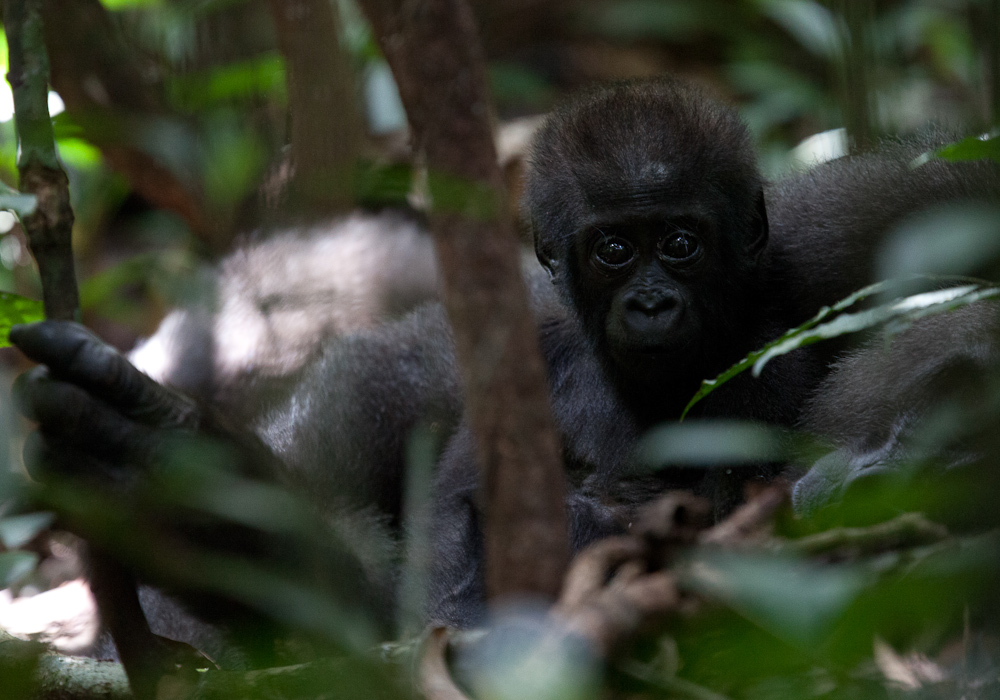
[(652, 302)]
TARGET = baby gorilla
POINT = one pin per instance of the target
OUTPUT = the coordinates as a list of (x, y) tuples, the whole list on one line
[(676, 260)]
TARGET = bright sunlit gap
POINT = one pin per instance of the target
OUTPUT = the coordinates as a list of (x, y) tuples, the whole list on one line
[(56, 105)]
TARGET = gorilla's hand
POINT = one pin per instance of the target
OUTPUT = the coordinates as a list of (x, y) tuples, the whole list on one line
[(97, 414)]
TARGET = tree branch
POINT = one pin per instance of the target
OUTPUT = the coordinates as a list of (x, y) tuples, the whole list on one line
[(50, 227), (434, 54)]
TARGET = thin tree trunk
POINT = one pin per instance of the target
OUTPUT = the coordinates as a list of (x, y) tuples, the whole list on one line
[(433, 50)]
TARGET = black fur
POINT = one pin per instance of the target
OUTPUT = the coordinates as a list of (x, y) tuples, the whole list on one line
[(922, 395)]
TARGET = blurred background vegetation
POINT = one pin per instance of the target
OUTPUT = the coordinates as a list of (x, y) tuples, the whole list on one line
[(199, 87), (172, 118)]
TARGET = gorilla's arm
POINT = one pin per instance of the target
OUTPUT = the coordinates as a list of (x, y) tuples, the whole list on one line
[(828, 222), (456, 590), (598, 439), (338, 441), (456, 593), (92, 404), (897, 400)]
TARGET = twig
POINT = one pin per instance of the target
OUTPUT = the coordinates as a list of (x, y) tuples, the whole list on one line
[(747, 521), (589, 570), (50, 227), (908, 530), (621, 585)]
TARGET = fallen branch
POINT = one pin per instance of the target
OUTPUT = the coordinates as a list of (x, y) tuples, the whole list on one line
[(621, 585), (751, 522), (907, 530)]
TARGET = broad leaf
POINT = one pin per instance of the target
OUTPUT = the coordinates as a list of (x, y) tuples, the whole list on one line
[(16, 565), (18, 202), (17, 530), (709, 442), (972, 148), (16, 309), (901, 311), (796, 601)]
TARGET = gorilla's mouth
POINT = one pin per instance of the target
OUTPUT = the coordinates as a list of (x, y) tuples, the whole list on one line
[(652, 342), (668, 353)]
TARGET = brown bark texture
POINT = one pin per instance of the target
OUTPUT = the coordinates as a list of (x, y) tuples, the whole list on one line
[(49, 230), (433, 50)]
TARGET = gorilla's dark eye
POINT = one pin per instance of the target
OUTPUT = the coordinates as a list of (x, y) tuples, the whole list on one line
[(679, 245), (613, 252)]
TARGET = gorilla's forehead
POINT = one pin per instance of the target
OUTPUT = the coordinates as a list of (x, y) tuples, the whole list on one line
[(654, 191)]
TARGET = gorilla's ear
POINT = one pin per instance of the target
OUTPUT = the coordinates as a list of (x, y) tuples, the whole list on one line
[(759, 237), (545, 251)]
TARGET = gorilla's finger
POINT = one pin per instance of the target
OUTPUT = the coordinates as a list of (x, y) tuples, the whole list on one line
[(72, 418), (21, 390), (76, 355), (42, 459), (38, 456)]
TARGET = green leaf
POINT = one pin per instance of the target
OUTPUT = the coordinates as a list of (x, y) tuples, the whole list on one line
[(98, 288), (810, 23), (512, 83), (907, 309), (18, 202), (16, 309), (454, 195), (953, 240), (710, 385), (102, 292), (263, 75), (128, 4), (971, 148), (16, 565), (78, 153), (794, 600), (902, 311), (16, 531), (648, 19), (709, 442)]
